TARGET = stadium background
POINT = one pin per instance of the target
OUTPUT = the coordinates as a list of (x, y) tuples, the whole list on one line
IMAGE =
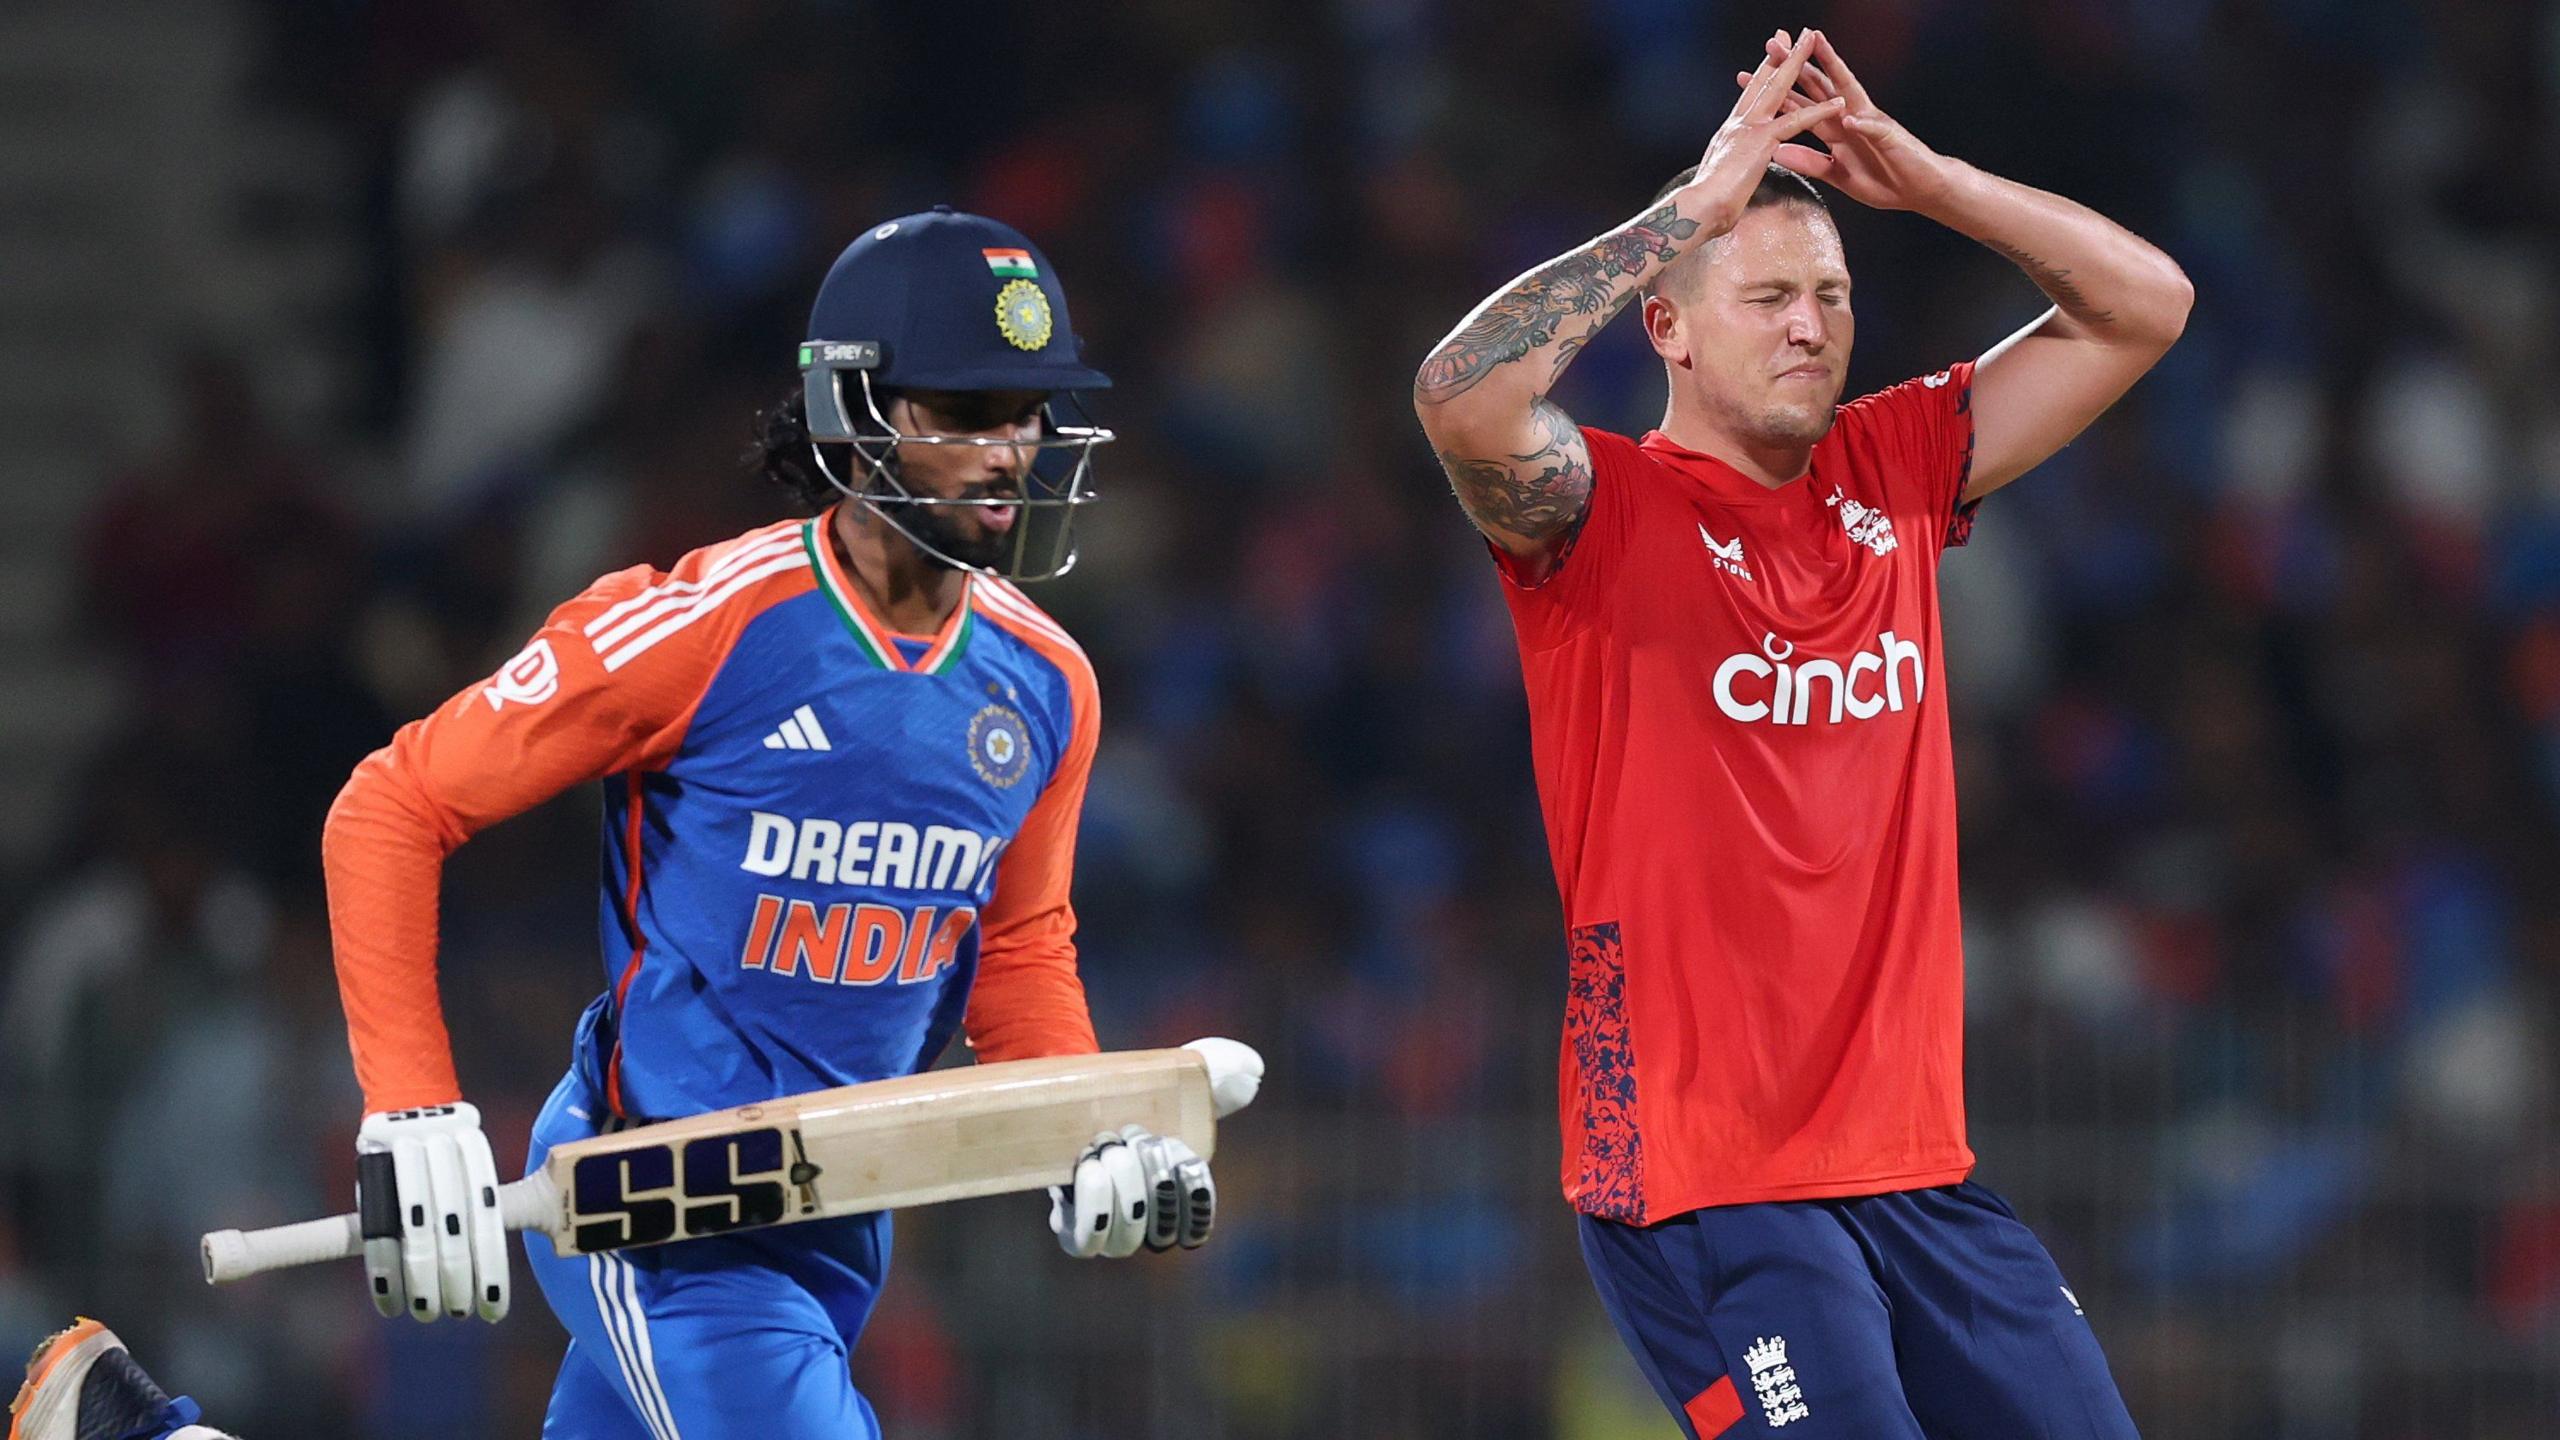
[(341, 340)]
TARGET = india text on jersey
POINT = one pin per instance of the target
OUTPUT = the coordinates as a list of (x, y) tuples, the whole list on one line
[(848, 944)]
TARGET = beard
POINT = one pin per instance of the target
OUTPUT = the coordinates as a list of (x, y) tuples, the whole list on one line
[(952, 530)]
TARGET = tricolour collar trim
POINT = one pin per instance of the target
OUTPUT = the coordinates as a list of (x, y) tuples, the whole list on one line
[(873, 638)]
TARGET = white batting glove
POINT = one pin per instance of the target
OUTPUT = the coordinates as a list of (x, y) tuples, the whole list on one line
[(1137, 1188), (427, 1198), (1235, 1072), (1134, 1188)]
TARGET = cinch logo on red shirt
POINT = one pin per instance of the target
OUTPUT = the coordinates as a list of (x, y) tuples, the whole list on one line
[(1752, 689)]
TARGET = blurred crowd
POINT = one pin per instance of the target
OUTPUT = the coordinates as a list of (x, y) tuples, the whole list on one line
[(2257, 686)]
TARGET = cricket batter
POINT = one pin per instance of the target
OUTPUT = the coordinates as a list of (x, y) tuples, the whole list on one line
[(843, 760), (1729, 636)]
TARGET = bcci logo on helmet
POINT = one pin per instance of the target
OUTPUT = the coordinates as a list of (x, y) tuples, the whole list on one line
[(999, 747), (1022, 313)]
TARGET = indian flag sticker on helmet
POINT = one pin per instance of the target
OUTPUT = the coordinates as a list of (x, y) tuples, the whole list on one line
[(1016, 263), (1022, 315)]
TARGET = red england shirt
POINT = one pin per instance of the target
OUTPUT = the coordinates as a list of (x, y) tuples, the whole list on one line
[(1738, 715)]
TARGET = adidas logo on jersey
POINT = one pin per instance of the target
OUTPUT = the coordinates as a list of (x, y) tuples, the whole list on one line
[(801, 732)]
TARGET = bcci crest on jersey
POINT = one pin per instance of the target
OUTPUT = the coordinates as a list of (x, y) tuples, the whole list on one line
[(997, 747)]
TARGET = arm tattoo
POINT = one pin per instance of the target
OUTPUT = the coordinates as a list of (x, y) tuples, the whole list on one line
[(2055, 282), (1536, 496), (1590, 284)]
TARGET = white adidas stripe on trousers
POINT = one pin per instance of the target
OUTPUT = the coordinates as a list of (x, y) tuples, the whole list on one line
[(618, 1299)]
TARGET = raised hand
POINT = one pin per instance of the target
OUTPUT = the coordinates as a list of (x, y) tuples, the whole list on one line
[(1517, 462), (1873, 160), (1756, 135)]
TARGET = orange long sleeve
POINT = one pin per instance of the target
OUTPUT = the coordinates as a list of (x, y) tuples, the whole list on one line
[(608, 684), (1028, 999)]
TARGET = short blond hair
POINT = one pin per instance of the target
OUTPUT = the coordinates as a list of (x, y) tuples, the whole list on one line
[(1778, 186)]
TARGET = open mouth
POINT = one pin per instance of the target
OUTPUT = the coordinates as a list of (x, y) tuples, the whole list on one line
[(997, 518)]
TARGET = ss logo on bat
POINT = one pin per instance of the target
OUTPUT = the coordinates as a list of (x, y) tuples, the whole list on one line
[(651, 1193)]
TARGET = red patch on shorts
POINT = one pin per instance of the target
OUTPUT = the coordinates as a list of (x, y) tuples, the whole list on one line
[(1714, 1409)]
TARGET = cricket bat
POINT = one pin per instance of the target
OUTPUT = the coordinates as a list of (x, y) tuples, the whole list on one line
[(916, 1140)]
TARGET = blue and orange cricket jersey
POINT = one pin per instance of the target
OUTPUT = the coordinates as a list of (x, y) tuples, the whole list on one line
[(827, 846)]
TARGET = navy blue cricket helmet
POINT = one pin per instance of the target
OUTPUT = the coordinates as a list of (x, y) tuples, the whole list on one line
[(946, 300)]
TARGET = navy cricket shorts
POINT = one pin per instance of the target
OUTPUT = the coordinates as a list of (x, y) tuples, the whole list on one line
[(1918, 1315)]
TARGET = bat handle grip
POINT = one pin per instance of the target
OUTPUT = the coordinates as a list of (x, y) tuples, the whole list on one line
[(237, 1254), (229, 1255)]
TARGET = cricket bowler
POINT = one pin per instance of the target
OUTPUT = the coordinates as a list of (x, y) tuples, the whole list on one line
[(1729, 636), (843, 760)]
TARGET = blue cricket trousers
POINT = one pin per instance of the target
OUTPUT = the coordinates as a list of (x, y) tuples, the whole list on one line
[(1918, 1315), (720, 1338)]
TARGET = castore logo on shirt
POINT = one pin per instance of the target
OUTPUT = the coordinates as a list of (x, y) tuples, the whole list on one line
[(1726, 555)]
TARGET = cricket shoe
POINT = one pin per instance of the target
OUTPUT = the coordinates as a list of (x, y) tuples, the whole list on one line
[(83, 1385)]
